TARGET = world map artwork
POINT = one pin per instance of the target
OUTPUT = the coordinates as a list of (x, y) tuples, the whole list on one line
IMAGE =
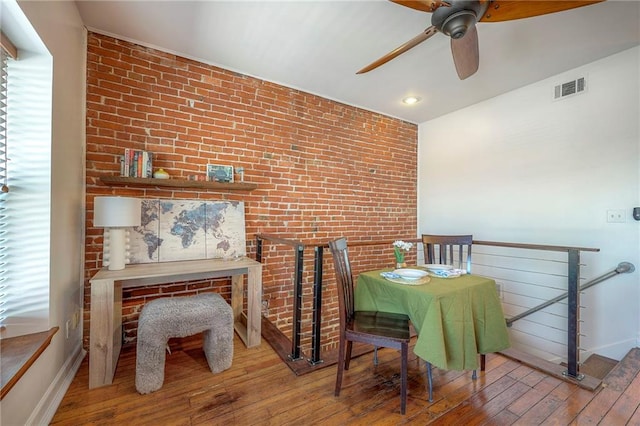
[(173, 230)]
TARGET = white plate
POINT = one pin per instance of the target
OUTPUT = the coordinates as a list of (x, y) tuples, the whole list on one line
[(410, 274), (438, 267)]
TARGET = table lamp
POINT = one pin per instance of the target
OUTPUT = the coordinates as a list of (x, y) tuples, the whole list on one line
[(116, 214)]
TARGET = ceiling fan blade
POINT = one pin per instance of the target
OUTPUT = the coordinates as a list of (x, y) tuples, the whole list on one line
[(423, 5), (507, 10), (400, 49), (465, 52)]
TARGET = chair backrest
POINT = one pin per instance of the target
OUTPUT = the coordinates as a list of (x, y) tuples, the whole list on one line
[(440, 249), (344, 279)]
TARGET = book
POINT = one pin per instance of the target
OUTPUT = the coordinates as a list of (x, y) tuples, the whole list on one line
[(148, 164), (127, 163), (136, 163)]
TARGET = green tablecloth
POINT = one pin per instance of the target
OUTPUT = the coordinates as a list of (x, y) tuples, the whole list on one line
[(456, 318)]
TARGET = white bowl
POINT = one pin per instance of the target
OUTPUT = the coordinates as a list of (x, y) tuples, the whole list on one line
[(411, 274), (438, 267)]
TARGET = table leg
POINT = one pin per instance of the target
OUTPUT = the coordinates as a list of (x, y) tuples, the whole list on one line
[(254, 305), (106, 331), (249, 332), (237, 298)]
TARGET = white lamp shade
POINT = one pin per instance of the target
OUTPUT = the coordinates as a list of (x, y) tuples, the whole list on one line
[(115, 212)]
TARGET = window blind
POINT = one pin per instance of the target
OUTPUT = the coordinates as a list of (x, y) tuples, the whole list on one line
[(7, 50), (25, 208), (3, 118), (4, 57)]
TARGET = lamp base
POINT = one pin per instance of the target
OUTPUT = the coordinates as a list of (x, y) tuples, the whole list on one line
[(117, 248)]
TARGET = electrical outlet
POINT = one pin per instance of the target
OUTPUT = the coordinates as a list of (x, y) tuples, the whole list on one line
[(616, 216), (75, 319)]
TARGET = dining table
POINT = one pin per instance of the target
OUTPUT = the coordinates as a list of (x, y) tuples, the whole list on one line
[(456, 318)]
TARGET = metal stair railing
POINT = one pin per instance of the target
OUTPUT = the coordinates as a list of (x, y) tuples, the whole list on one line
[(573, 289), (572, 343), (573, 278), (298, 247), (622, 268)]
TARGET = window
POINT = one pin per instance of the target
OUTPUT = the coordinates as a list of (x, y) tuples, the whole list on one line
[(25, 170), (5, 47)]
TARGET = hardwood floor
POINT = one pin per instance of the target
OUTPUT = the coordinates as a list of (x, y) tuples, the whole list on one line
[(259, 389)]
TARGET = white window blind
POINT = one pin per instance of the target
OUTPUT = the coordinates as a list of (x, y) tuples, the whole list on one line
[(4, 57), (25, 208)]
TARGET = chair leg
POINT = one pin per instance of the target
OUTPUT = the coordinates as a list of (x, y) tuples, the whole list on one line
[(483, 361), (403, 377), (341, 366), (375, 355), (430, 381), (347, 358)]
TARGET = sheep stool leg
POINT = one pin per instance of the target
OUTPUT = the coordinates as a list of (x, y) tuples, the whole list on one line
[(150, 358), (218, 340)]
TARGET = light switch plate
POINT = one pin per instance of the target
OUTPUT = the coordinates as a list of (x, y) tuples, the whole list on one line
[(615, 216)]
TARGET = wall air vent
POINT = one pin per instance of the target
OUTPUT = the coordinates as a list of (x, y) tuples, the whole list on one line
[(570, 88)]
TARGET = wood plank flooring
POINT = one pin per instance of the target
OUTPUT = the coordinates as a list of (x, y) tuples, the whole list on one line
[(259, 389)]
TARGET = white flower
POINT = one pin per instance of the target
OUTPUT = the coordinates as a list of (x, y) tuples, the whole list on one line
[(402, 245)]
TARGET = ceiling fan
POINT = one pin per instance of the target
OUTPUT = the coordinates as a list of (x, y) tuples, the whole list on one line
[(458, 18)]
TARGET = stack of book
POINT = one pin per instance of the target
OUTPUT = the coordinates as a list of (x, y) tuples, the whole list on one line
[(136, 163)]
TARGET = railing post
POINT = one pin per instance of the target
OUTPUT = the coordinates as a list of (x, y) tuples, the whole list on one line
[(297, 305), (258, 248), (317, 307), (573, 277)]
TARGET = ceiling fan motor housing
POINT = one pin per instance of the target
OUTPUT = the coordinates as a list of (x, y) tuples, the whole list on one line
[(457, 18)]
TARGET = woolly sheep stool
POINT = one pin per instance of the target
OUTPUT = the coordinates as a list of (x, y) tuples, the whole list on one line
[(169, 317)]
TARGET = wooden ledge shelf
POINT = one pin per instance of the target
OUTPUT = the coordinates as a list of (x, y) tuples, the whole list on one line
[(17, 354), (176, 183)]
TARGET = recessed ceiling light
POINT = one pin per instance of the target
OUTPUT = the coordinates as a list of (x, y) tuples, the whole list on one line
[(410, 100)]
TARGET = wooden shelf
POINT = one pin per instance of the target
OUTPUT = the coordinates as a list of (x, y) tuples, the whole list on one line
[(176, 183), (19, 353)]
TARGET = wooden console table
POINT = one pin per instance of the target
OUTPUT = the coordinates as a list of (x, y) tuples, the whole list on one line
[(106, 303)]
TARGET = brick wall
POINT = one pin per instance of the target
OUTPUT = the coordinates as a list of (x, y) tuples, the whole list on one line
[(323, 169)]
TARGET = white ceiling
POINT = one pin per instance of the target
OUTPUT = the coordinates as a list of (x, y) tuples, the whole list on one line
[(317, 46)]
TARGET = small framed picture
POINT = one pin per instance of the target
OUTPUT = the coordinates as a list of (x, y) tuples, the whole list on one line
[(217, 173)]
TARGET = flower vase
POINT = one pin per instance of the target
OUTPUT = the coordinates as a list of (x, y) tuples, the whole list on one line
[(400, 248), (399, 255)]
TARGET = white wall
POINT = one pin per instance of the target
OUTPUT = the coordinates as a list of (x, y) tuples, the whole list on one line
[(523, 168), (35, 397)]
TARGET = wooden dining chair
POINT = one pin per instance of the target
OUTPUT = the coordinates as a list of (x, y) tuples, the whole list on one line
[(381, 329), (441, 249)]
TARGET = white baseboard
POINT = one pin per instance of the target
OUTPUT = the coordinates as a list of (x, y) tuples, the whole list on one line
[(48, 405), (616, 350)]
